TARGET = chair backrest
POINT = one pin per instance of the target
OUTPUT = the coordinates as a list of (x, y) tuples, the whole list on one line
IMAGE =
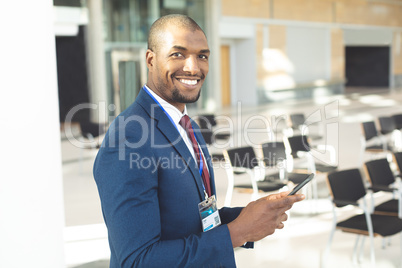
[(398, 120), (297, 120), (387, 124), (273, 153), (298, 143), (243, 157), (207, 135), (398, 160), (346, 185), (369, 130), (379, 172), (91, 129), (206, 121)]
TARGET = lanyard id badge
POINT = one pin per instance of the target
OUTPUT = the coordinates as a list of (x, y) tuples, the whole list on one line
[(209, 213)]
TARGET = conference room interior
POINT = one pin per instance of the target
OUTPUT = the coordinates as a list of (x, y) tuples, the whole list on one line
[(337, 63), (303, 240)]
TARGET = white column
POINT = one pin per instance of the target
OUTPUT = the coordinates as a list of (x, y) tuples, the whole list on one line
[(153, 10), (31, 195), (96, 61), (212, 15)]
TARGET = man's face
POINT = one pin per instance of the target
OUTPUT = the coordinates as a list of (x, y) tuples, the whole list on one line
[(178, 68)]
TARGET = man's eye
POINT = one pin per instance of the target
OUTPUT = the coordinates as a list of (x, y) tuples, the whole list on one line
[(205, 57), (177, 54)]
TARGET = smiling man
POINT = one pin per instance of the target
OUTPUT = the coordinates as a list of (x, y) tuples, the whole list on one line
[(177, 60), (154, 174)]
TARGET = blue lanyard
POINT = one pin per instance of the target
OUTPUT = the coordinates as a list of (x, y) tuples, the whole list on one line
[(174, 124), (157, 102)]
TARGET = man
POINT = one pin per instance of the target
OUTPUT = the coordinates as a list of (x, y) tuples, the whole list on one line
[(154, 175)]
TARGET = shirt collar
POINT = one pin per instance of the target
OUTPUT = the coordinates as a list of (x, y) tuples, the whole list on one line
[(173, 112)]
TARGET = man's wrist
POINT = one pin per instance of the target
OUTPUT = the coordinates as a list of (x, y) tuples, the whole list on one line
[(236, 235)]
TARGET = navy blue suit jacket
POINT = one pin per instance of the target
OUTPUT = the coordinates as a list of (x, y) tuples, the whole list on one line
[(149, 185)]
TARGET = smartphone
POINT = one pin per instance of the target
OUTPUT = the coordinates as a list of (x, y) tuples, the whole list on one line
[(300, 185)]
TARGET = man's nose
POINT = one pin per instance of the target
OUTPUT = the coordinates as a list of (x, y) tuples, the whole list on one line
[(191, 65)]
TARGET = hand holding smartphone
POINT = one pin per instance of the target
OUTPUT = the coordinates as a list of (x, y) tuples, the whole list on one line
[(300, 185)]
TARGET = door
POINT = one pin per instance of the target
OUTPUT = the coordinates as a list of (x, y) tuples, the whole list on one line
[(128, 75), (225, 75)]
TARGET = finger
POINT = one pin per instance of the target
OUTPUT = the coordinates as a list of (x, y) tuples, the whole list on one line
[(284, 203), (284, 217), (280, 225), (299, 197), (277, 196)]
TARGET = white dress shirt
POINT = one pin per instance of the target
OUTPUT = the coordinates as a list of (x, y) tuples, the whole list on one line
[(176, 115)]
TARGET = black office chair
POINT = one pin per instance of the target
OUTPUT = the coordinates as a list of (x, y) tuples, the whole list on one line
[(244, 160), (208, 121), (387, 124), (372, 140), (347, 188), (398, 121), (90, 132), (274, 156), (211, 133), (297, 123), (391, 132), (300, 147), (397, 156), (382, 179), (91, 138)]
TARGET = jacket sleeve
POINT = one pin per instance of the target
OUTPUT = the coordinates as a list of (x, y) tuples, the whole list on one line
[(131, 210)]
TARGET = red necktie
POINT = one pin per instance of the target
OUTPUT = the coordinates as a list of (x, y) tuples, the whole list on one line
[(186, 124)]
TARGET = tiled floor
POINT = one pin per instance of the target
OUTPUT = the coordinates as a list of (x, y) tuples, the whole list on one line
[(302, 241)]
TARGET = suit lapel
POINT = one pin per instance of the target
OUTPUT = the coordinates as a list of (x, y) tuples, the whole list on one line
[(166, 127)]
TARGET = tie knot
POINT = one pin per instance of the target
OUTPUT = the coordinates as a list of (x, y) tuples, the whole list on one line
[(185, 122)]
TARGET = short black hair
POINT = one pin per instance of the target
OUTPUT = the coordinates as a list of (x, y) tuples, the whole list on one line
[(159, 26)]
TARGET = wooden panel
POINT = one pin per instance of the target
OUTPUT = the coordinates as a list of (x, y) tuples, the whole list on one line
[(246, 8), (225, 75), (275, 63), (397, 53), (277, 37), (337, 54), (303, 10), (369, 13), (342, 11)]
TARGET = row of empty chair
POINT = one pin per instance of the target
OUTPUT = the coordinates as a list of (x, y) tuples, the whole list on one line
[(383, 134), (349, 187), (291, 155), (278, 158)]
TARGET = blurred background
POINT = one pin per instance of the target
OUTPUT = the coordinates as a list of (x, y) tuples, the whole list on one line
[(70, 66)]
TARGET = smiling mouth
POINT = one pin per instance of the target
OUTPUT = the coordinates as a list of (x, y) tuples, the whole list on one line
[(190, 82)]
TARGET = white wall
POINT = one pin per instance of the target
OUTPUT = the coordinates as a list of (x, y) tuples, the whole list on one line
[(31, 196), (367, 37), (241, 39), (245, 72), (309, 51)]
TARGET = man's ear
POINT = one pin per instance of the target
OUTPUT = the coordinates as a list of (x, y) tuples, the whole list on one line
[(149, 56)]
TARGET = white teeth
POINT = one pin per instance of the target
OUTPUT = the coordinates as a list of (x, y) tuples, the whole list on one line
[(188, 82)]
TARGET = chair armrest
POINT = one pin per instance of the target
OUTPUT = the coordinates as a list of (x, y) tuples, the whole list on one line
[(381, 188), (342, 203)]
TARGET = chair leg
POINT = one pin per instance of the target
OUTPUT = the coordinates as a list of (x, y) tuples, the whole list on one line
[(331, 236), (356, 246), (229, 191), (361, 250), (371, 233), (253, 178), (400, 246), (327, 249)]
